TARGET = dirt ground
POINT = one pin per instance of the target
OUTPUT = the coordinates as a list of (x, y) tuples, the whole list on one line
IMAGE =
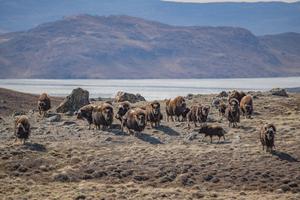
[(65, 160)]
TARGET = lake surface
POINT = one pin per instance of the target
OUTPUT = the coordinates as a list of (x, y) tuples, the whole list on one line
[(150, 88)]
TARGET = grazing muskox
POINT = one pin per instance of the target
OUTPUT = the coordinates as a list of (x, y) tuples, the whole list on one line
[(210, 130), (122, 110), (153, 114), (267, 136), (134, 120), (198, 114), (44, 104), (103, 115), (246, 106), (236, 95), (232, 112), (22, 128), (175, 107), (85, 112)]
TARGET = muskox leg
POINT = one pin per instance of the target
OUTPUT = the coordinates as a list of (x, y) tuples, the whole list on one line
[(219, 139), (204, 136), (224, 137), (195, 123), (210, 139), (172, 118)]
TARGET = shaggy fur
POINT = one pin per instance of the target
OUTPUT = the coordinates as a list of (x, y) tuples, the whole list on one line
[(246, 106), (103, 116), (236, 95), (210, 130), (222, 109), (232, 113), (122, 110), (153, 114), (175, 108), (198, 114), (85, 112), (44, 104), (22, 128), (267, 136), (134, 120)]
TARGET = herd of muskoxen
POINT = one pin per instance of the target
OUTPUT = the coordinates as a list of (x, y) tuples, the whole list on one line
[(135, 119)]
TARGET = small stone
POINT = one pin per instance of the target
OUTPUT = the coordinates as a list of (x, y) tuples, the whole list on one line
[(61, 178)]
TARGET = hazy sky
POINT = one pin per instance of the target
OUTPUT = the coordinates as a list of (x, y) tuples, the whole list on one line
[(210, 1)]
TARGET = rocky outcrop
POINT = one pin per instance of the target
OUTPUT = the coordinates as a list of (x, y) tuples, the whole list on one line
[(74, 101), (132, 98), (279, 92)]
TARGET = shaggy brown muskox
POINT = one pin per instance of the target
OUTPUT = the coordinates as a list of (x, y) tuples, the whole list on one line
[(153, 114), (122, 110), (134, 120), (236, 95), (232, 112), (210, 130), (103, 115), (22, 128), (198, 114), (267, 136), (85, 112), (44, 104), (222, 109), (175, 107), (246, 106)]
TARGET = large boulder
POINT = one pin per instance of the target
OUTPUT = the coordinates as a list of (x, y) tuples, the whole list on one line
[(74, 101), (279, 92), (132, 98)]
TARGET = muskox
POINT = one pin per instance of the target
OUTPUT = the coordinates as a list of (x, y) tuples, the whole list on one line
[(236, 95), (22, 128), (122, 110), (246, 106), (222, 108), (198, 114), (210, 130), (184, 114), (103, 115), (232, 112), (153, 114), (134, 121), (44, 104), (267, 136), (175, 107), (85, 112)]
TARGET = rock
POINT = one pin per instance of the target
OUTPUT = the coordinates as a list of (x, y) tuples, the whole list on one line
[(61, 178), (54, 118), (74, 101), (293, 184), (124, 96), (285, 188), (189, 96), (68, 123), (208, 177), (279, 92), (223, 94), (191, 136), (216, 102), (108, 139), (69, 113), (140, 178), (80, 197)]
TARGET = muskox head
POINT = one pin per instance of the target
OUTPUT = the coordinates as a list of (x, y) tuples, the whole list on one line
[(140, 118), (248, 110), (270, 131), (122, 110), (185, 112), (155, 107), (234, 105), (107, 112), (180, 102), (203, 128), (205, 110), (20, 129)]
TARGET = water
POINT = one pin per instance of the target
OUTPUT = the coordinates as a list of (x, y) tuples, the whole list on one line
[(150, 88)]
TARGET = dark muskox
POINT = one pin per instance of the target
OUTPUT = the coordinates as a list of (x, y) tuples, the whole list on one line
[(236, 95), (103, 115), (198, 114), (246, 106), (222, 108), (153, 113), (184, 114), (175, 107), (267, 136), (210, 130), (122, 110), (22, 128), (85, 112), (134, 120), (232, 112), (44, 104)]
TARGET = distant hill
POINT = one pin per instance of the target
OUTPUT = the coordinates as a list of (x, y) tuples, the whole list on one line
[(87, 46), (260, 18)]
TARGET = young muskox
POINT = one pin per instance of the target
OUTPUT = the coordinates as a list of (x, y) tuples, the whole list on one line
[(44, 104), (198, 114), (222, 109), (85, 112), (267, 136), (184, 114), (22, 128), (232, 112), (103, 116), (153, 113), (122, 110), (236, 95), (246, 106), (175, 108), (134, 120), (210, 130)]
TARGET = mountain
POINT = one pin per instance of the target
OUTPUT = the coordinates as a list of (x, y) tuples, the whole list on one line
[(260, 18), (88, 46)]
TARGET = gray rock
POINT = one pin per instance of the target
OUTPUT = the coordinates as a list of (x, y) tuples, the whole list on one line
[(223, 94), (74, 101), (191, 136), (132, 98), (279, 92), (54, 118)]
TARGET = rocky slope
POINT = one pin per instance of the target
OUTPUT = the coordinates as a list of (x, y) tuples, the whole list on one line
[(126, 47)]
